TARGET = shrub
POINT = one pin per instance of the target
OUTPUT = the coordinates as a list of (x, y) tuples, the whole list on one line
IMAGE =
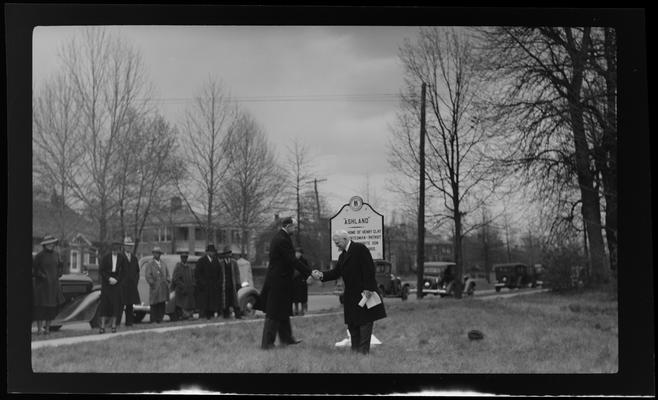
[(564, 268)]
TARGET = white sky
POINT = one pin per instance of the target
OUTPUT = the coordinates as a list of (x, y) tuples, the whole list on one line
[(321, 68)]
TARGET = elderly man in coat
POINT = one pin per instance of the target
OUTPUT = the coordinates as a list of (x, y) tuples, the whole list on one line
[(129, 280), (208, 275), (357, 269), (157, 276), (230, 284), (182, 282), (110, 270), (276, 297), (47, 292)]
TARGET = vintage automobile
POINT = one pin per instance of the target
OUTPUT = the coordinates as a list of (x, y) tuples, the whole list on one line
[(388, 284), (81, 298), (515, 275), (438, 279), (247, 294)]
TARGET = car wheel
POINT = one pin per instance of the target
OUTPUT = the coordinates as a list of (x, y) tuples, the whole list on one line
[(498, 289), (55, 328), (405, 292), (173, 317), (138, 316), (248, 309)]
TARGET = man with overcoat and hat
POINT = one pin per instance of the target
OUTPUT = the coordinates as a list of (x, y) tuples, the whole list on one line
[(276, 297), (230, 284), (129, 280), (182, 282), (47, 292), (156, 274), (110, 271), (208, 276)]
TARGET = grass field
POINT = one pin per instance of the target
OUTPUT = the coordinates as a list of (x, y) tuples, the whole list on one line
[(543, 333)]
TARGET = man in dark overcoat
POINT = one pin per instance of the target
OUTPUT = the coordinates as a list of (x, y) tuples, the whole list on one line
[(208, 276), (110, 269), (230, 284), (47, 295), (300, 289), (357, 269), (276, 297), (182, 282), (129, 280)]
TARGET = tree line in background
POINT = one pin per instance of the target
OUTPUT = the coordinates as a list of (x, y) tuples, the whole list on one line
[(101, 146), (523, 114)]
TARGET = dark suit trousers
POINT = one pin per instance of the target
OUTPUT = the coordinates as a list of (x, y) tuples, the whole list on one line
[(129, 315), (360, 336), (157, 312), (270, 330)]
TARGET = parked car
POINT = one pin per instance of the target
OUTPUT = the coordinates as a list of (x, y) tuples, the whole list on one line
[(515, 275), (81, 299), (247, 294), (389, 284), (439, 278)]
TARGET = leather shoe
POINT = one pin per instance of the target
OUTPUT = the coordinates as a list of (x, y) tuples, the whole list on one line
[(295, 341)]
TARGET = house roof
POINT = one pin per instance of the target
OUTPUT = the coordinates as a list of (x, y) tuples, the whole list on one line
[(47, 221)]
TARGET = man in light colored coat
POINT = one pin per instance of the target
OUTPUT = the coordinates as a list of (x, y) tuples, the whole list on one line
[(157, 276)]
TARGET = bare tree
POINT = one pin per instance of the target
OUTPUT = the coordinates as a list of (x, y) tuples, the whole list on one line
[(300, 171), (208, 129), (254, 178), (149, 165), (457, 168), (56, 142), (108, 82), (547, 93)]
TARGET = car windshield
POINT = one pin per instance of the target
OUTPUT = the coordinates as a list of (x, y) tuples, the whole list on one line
[(382, 268), (433, 269)]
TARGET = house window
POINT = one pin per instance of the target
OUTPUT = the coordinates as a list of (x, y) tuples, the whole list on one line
[(163, 234), (86, 258), (92, 258), (75, 265), (235, 236)]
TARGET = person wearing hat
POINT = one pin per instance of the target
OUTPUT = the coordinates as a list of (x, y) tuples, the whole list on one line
[(230, 283), (300, 288), (208, 276), (129, 280), (182, 282), (156, 274), (47, 291), (110, 270), (276, 297)]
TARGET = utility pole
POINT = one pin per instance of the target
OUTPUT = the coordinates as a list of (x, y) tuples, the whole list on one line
[(317, 197), (420, 253)]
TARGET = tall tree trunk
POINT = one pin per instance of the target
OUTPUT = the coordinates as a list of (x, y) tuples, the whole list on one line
[(459, 257), (591, 205), (610, 145)]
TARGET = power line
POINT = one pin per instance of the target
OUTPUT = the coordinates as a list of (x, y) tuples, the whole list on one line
[(369, 97)]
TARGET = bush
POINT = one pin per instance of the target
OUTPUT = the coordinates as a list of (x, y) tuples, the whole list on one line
[(564, 268)]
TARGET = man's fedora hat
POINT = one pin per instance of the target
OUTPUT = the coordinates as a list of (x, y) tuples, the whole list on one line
[(157, 249), (127, 241), (49, 239), (226, 252), (211, 247), (287, 221)]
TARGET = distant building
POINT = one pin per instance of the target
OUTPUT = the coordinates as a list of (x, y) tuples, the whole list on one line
[(78, 244), (401, 248), (177, 229)]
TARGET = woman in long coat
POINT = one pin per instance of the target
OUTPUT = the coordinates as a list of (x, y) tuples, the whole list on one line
[(208, 276), (129, 281), (300, 288), (110, 271), (157, 276), (182, 282), (47, 292)]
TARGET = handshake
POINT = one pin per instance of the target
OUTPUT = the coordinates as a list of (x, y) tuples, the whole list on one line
[(317, 275)]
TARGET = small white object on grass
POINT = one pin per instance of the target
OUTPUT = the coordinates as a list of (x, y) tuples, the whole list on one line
[(348, 342)]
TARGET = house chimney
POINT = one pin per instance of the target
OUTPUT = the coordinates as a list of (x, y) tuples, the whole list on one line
[(176, 203)]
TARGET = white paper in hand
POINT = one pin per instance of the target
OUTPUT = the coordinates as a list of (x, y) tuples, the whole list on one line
[(373, 300), (363, 300)]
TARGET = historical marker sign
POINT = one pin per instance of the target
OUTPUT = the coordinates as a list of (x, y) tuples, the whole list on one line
[(362, 223)]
